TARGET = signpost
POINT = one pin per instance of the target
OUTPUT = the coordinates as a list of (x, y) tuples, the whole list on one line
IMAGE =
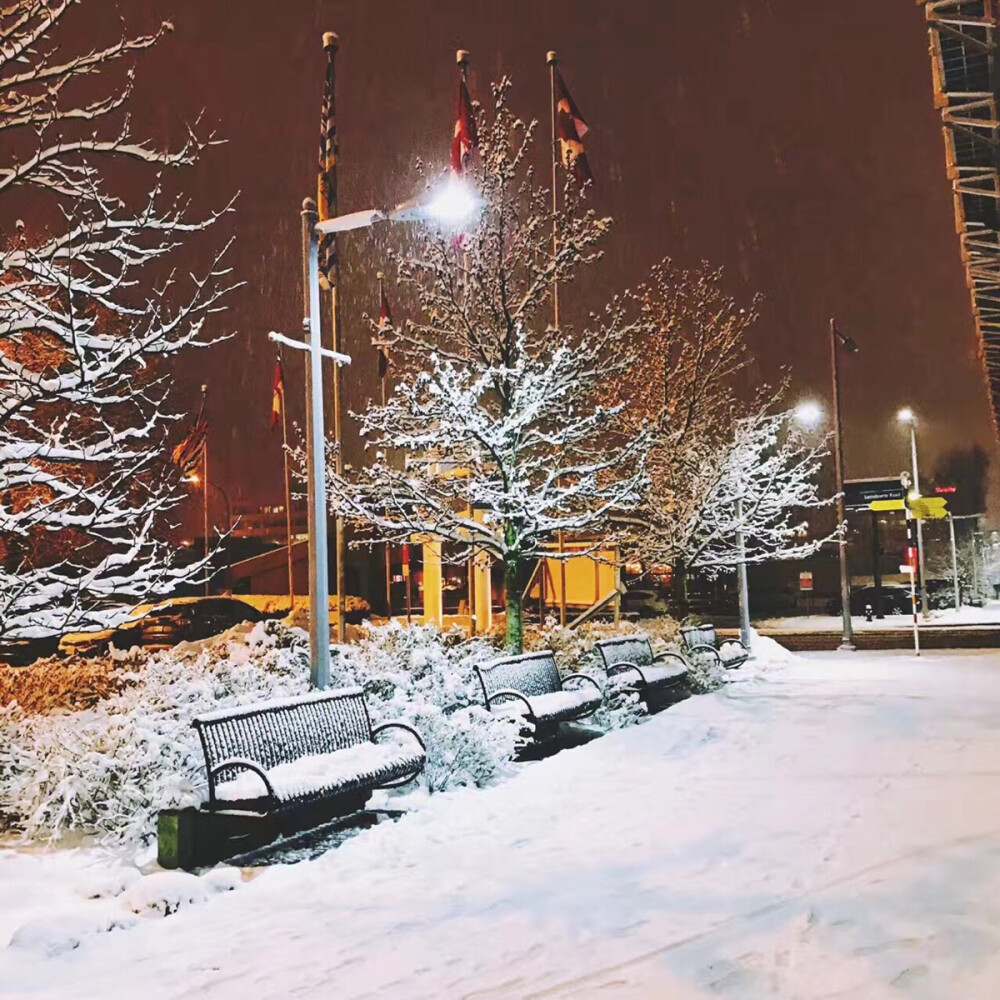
[(932, 508)]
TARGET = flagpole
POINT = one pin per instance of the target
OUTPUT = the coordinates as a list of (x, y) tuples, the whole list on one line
[(462, 58), (552, 60), (331, 44), (288, 493), (388, 544), (204, 488)]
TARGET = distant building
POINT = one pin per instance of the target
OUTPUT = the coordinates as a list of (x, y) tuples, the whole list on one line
[(268, 522)]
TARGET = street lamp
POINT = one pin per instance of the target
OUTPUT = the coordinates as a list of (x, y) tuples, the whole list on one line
[(838, 339), (907, 416), (809, 414), (452, 205)]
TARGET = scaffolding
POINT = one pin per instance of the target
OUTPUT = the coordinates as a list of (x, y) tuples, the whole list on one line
[(964, 50)]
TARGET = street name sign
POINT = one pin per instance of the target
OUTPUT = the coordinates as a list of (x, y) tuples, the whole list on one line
[(860, 494)]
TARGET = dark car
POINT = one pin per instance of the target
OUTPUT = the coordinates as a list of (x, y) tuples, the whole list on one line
[(184, 619)]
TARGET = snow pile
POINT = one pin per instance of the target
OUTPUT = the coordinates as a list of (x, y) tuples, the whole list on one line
[(324, 770), (75, 921)]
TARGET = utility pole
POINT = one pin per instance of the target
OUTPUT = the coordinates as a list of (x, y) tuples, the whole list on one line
[(742, 575), (954, 560), (847, 640)]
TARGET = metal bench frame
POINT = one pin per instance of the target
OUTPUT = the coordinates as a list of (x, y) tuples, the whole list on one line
[(288, 730), (703, 639), (608, 649), (534, 674)]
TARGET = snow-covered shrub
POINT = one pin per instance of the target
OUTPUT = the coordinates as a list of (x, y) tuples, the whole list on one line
[(704, 673), (111, 767), (54, 683)]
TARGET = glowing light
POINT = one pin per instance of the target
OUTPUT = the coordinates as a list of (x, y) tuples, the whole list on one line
[(194, 479), (454, 204), (809, 413), (905, 415)]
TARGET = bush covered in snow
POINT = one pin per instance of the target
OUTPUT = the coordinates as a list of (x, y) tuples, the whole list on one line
[(109, 767)]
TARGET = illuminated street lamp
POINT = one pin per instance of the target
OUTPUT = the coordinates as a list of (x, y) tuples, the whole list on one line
[(907, 416)]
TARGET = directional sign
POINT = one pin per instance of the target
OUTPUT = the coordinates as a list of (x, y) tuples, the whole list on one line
[(899, 504), (928, 507), (859, 494)]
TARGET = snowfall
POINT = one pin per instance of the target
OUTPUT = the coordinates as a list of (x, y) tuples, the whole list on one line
[(824, 826)]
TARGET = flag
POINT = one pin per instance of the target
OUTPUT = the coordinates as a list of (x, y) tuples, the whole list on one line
[(384, 322), (465, 139), (571, 127), (278, 395), (326, 188), (188, 454)]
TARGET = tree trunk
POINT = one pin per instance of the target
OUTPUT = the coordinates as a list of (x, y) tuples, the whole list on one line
[(679, 590), (512, 600)]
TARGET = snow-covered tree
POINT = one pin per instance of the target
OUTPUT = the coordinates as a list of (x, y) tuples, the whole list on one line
[(712, 451), (762, 483), (89, 304), (498, 414)]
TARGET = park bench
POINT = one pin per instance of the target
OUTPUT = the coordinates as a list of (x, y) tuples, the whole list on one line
[(702, 639), (273, 756), (655, 676), (529, 684)]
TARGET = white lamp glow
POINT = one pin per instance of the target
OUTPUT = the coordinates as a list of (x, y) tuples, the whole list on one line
[(809, 413), (905, 415), (454, 204)]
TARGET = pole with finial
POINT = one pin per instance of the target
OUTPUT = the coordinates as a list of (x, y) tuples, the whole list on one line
[(385, 375), (331, 45), (552, 60), (204, 490)]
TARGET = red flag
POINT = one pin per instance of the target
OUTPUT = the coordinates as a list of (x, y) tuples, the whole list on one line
[(188, 454), (384, 322), (466, 138), (571, 127), (278, 395)]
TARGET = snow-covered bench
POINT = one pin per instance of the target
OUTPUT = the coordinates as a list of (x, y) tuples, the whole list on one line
[(276, 755), (528, 684), (652, 674), (702, 639)]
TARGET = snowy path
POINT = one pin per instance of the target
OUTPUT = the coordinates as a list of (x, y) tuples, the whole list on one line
[(832, 831)]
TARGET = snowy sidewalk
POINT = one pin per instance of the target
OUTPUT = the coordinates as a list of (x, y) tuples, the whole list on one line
[(832, 831)]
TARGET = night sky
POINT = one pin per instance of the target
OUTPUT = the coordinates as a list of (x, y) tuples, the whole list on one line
[(794, 143)]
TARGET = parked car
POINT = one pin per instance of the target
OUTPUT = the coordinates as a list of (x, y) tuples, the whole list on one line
[(181, 619), (21, 652)]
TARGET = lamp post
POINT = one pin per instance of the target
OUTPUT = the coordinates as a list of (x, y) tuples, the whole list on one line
[(450, 205), (907, 416), (842, 340)]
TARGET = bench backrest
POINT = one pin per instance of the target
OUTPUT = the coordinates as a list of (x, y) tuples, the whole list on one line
[(530, 673), (699, 635), (635, 649), (286, 729)]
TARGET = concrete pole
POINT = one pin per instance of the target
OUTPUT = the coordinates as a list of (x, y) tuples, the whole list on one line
[(319, 578), (742, 574), (954, 561), (924, 606), (847, 641)]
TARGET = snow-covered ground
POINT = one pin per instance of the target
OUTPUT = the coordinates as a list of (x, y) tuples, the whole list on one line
[(828, 828), (988, 614)]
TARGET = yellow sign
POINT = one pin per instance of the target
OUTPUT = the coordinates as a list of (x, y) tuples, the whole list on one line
[(928, 507), (899, 504)]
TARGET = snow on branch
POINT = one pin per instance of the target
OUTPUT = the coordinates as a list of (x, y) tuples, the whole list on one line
[(90, 311)]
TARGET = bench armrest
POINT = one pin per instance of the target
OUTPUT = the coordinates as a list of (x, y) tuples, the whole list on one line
[(510, 694), (399, 725), (739, 642), (669, 654), (241, 763), (624, 666), (704, 647), (582, 677)]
